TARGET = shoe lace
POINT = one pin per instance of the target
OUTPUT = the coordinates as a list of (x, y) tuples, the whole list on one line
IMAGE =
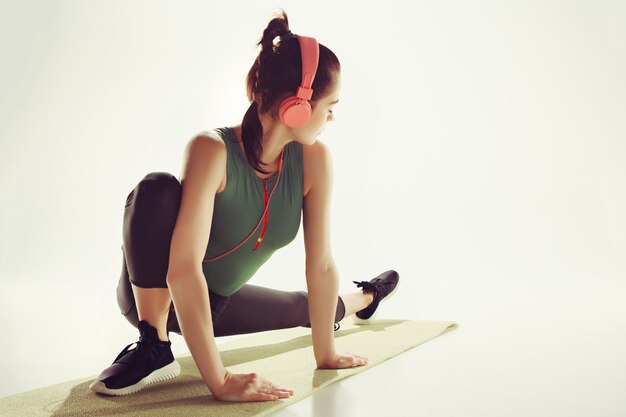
[(366, 285), (145, 347)]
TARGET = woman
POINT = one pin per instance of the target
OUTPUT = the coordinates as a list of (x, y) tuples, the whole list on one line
[(190, 247)]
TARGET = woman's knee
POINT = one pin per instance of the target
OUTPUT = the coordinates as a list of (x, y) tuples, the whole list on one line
[(161, 185), (158, 189)]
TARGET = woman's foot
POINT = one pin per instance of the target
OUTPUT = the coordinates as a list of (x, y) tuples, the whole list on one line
[(382, 287), (149, 362)]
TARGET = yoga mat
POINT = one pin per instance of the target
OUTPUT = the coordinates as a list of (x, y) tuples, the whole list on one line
[(285, 357)]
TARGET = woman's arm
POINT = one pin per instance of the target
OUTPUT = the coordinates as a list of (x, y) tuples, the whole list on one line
[(321, 272), (205, 163)]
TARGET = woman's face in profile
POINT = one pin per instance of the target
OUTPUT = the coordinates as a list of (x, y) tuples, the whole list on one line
[(322, 114)]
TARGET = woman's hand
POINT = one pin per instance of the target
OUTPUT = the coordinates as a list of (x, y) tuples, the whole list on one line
[(344, 360), (250, 387)]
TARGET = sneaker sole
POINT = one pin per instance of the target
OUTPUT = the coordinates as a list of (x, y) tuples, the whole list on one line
[(359, 321), (165, 373)]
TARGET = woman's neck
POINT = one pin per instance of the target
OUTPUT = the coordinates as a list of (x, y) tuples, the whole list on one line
[(272, 146)]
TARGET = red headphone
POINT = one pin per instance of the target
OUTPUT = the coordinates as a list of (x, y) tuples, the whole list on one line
[(294, 111)]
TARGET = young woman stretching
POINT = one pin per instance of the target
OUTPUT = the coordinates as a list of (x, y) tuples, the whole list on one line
[(190, 247)]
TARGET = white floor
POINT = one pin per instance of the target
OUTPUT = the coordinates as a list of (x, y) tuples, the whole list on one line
[(529, 350)]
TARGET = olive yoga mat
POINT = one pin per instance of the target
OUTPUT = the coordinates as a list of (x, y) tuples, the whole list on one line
[(285, 357)]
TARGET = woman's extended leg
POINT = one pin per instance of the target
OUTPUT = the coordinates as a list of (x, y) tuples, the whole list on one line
[(357, 301), (255, 309)]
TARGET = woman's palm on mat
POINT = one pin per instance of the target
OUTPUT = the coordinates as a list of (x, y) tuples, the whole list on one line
[(250, 387), (344, 360)]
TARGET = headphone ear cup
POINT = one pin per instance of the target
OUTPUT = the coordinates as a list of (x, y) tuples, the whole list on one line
[(294, 111)]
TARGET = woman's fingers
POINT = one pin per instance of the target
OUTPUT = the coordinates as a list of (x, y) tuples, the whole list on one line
[(266, 391), (261, 396), (356, 360), (282, 394), (284, 389), (360, 360), (357, 356), (251, 387)]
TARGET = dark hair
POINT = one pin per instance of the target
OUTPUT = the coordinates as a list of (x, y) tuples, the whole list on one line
[(275, 75)]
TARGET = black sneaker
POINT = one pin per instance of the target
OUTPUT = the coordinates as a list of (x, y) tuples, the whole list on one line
[(151, 361), (384, 286)]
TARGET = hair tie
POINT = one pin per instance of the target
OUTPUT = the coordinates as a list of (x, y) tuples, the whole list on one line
[(286, 36)]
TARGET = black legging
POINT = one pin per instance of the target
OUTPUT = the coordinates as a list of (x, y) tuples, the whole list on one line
[(149, 218)]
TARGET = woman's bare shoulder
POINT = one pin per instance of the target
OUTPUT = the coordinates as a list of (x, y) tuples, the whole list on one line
[(315, 158), (210, 135), (206, 152), (316, 149), (207, 142)]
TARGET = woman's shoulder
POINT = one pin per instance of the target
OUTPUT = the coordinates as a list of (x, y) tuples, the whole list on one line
[(206, 155), (208, 140), (205, 145), (213, 135), (316, 153), (316, 162)]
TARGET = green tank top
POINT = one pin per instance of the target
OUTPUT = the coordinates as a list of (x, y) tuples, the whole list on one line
[(238, 208)]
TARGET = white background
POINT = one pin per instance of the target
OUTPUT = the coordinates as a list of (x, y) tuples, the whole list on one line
[(479, 150)]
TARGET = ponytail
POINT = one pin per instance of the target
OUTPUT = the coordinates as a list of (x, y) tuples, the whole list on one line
[(252, 135)]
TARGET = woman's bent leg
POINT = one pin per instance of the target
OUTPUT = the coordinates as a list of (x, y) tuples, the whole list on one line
[(256, 309), (149, 219)]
